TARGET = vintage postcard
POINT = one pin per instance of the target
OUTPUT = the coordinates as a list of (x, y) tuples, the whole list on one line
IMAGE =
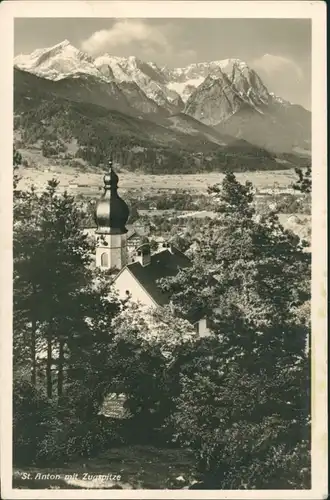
[(163, 249)]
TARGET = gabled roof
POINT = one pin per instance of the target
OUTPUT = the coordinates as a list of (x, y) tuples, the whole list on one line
[(131, 232), (163, 264), (135, 231)]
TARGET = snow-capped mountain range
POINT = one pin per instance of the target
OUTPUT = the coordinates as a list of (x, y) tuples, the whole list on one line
[(163, 85), (211, 92)]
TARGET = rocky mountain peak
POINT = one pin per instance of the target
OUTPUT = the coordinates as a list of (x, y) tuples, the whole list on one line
[(225, 92), (64, 43), (57, 62), (231, 85)]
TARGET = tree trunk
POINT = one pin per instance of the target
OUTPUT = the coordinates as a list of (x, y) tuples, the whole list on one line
[(60, 375), (49, 367), (33, 353), (33, 338)]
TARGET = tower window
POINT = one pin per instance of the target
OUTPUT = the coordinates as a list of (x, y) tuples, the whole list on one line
[(104, 260)]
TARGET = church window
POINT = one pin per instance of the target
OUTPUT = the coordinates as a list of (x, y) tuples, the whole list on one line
[(104, 260), (196, 326)]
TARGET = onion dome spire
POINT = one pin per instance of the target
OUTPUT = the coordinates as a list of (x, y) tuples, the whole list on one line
[(111, 212), (111, 179)]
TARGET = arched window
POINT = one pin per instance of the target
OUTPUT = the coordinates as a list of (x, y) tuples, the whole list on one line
[(104, 260)]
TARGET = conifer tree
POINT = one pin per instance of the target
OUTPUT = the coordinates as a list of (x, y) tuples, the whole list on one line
[(304, 182), (63, 271), (249, 382), (52, 260)]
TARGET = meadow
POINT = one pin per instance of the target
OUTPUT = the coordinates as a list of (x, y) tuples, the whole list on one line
[(88, 183)]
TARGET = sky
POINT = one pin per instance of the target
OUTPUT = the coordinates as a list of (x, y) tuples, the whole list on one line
[(278, 49)]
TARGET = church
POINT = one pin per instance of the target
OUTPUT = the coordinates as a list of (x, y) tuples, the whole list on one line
[(139, 269)]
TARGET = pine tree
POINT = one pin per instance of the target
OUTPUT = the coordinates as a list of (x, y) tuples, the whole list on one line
[(26, 251), (245, 391), (304, 182), (51, 259), (63, 271)]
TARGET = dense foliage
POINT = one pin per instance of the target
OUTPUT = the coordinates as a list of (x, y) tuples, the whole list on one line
[(239, 398), (53, 123), (304, 182), (244, 424), (243, 401), (62, 309)]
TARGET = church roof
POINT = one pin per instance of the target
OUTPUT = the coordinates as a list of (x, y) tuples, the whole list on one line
[(111, 211), (162, 265)]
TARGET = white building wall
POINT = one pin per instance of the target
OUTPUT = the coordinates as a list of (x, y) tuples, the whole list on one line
[(203, 329), (125, 282), (114, 249)]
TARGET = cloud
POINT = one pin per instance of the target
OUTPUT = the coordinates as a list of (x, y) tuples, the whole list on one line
[(157, 42), (285, 77), (125, 33), (276, 65)]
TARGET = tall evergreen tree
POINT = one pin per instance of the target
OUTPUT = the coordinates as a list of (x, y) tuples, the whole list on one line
[(26, 257), (63, 270), (252, 377), (52, 260)]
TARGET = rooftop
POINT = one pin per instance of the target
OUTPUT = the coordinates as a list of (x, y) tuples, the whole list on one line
[(163, 264)]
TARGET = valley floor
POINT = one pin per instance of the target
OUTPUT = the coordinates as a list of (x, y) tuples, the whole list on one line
[(88, 183)]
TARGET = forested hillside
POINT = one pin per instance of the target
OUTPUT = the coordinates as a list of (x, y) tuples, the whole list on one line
[(52, 121)]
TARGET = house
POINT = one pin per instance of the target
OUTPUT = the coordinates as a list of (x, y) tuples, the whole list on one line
[(139, 271), (133, 240)]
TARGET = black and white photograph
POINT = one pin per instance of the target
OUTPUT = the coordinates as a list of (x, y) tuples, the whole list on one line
[(164, 322)]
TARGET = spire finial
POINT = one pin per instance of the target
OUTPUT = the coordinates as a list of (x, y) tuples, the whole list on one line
[(110, 178)]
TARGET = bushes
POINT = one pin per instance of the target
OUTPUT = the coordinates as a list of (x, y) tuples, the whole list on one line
[(87, 439), (247, 430), (76, 439), (34, 422), (292, 204), (47, 433)]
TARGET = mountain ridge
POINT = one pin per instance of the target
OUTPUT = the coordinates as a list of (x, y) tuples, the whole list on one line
[(191, 75), (50, 123), (226, 95)]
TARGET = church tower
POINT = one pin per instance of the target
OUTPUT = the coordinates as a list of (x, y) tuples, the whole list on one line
[(111, 215)]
